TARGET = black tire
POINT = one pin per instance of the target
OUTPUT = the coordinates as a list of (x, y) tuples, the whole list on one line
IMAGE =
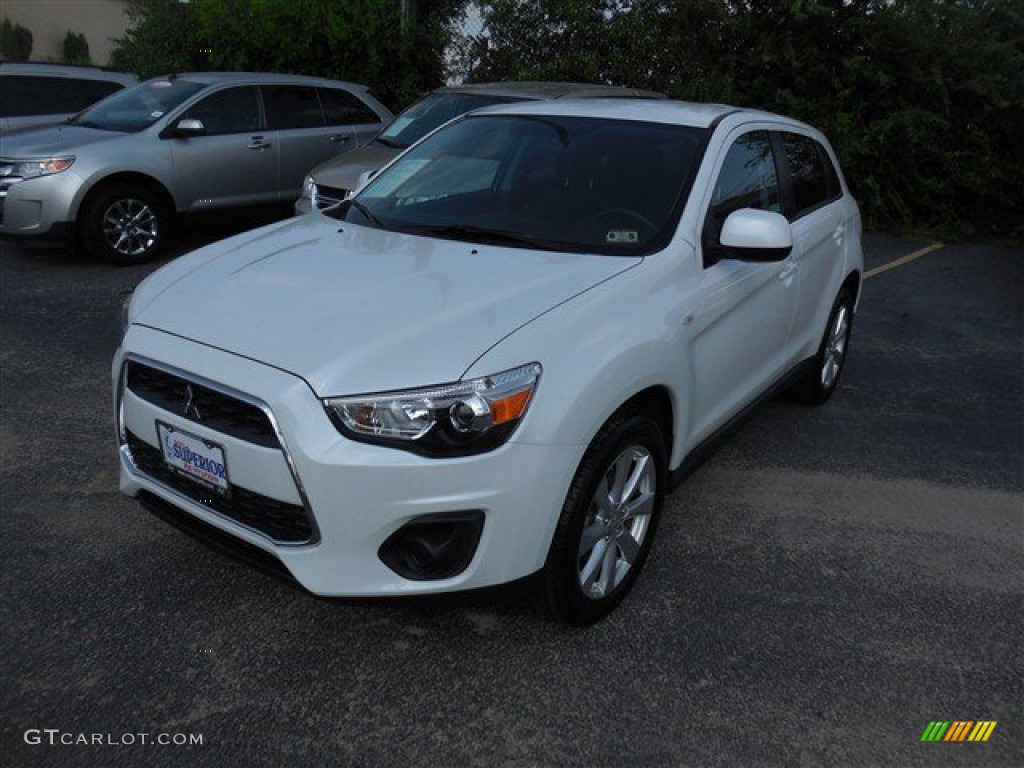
[(629, 441), (823, 377), (125, 224)]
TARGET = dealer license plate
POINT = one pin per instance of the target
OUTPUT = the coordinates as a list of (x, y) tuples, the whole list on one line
[(194, 457)]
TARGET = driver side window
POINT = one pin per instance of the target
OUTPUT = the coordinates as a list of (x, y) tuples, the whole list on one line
[(747, 179), (233, 110)]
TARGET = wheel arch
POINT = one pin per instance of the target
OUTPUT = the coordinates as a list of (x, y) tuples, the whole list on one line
[(124, 177), (853, 283), (656, 402)]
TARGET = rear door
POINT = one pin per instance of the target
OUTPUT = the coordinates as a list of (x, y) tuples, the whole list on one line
[(344, 111), (294, 111), (812, 201), (235, 162)]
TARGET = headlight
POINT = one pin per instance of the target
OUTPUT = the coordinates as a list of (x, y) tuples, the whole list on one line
[(460, 419), (31, 169), (126, 315), (309, 189)]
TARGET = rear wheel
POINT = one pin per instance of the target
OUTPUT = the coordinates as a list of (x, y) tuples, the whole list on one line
[(608, 521), (125, 224), (823, 378)]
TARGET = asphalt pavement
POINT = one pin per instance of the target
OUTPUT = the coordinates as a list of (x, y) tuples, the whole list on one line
[(827, 584)]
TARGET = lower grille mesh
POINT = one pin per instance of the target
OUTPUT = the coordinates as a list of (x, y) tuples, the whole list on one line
[(282, 522)]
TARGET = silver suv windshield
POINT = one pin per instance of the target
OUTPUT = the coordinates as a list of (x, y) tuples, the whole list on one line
[(581, 184), (431, 111), (138, 107)]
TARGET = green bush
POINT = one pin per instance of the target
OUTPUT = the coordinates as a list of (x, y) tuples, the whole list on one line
[(362, 41), (15, 41), (922, 99), (76, 48)]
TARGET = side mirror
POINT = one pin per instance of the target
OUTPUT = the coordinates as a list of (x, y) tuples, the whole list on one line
[(752, 235), (188, 127)]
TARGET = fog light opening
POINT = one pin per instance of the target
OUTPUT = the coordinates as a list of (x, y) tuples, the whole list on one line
[(433, 547)]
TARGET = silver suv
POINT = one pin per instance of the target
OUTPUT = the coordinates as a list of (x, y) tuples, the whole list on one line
[(35, 94), (115, 175), (331, 182)]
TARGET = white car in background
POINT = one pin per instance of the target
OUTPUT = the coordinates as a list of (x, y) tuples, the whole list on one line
[(33, 93), (495, 359)]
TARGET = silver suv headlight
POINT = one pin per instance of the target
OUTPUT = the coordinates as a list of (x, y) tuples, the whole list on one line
[(309, 190), (460, 419), (31, 169)]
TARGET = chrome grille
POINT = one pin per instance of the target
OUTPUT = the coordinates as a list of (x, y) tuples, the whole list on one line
[(202, 405)]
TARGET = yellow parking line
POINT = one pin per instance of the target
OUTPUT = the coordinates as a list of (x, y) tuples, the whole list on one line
[(903, 260)]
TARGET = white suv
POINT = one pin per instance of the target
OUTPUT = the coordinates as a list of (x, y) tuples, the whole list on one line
[(495, 359), (34, 93)]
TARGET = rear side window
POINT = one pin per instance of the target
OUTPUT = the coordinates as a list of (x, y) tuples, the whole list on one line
[(22, 95), (344, 108), (292, 106), (813, 180)]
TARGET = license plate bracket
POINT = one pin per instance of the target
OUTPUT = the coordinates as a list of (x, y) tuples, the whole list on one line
[(195, 458)]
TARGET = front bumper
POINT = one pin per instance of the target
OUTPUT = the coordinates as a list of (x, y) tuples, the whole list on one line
[(39, 210), (356, 495)]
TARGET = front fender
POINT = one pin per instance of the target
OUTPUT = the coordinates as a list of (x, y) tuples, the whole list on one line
[(602, 348)]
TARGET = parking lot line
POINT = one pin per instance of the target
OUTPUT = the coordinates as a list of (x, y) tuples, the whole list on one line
[(903, 260)]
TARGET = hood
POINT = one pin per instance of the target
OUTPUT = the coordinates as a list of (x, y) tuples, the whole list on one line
[(343, 172), (49, 140), (354, 310)]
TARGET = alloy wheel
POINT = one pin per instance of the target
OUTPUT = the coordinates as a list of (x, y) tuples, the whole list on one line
[(617, 522)]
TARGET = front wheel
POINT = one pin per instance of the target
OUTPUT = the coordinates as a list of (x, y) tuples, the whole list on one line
[(608, 521), (125, 224), (823, 378)]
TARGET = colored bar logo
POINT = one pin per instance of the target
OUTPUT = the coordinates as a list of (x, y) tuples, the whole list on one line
[(958, 730)]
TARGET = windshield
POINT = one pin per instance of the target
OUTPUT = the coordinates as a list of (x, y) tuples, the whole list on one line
[(590, 185), (430, 112), (138, 107)]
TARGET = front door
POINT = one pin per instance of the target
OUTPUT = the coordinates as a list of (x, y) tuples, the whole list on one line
[(741, 329), (235, 162)]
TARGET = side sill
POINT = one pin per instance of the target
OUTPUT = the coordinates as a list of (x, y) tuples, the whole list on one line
[(713, 442)]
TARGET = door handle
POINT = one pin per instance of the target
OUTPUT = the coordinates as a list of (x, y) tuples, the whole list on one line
[(339, 139), (788, 271), (257, 143)]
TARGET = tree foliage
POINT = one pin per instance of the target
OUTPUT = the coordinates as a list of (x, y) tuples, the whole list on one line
[(15, 41), (76, 48), (363, 41), (923, 99)]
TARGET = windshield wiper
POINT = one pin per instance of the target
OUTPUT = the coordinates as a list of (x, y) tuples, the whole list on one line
[(485, 234), (390, 143)]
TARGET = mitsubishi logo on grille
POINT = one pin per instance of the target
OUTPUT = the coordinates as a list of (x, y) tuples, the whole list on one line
[(191, 409)]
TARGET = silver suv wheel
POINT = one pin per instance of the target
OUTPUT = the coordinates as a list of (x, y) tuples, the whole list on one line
[(130, 227)]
